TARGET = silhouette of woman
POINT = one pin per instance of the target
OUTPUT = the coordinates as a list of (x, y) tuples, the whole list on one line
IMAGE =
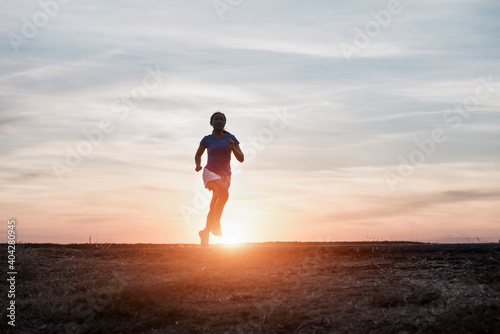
[(217, 172)]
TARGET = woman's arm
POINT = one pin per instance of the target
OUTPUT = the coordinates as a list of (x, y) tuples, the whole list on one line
[(197, 158), (236, 150)]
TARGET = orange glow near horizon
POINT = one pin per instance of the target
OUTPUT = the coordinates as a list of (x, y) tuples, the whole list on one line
[(275, 206), (233, 232)]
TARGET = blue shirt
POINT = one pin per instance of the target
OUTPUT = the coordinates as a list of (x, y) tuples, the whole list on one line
[(219, 153)]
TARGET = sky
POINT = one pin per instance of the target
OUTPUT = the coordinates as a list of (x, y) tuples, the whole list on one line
[(359, 120)]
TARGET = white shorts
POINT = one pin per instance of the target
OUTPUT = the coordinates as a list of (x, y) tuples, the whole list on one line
[(208, 176)]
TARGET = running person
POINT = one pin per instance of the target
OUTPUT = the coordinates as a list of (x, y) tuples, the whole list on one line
[(217, 172)]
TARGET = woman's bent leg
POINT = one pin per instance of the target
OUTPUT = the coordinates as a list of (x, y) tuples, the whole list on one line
[(219, 199)]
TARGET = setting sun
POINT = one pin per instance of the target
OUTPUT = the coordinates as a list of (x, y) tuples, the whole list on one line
[(233, 232)]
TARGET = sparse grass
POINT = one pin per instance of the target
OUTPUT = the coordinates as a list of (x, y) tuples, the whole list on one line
[(295, 288)]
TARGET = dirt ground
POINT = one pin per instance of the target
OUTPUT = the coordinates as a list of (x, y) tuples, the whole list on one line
[(256, 288)]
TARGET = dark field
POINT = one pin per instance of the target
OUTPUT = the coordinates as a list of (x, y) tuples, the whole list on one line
[(257, 288)]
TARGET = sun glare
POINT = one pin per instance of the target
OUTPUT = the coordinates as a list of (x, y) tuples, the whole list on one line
[(233, 232)]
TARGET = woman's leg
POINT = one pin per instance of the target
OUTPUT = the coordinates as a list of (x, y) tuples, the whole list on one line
[(219, 199), (211, 211)]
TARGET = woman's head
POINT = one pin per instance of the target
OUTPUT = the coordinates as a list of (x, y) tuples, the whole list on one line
[(218, 121), (217, 115)]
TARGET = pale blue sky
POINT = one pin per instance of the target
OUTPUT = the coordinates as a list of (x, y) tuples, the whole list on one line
[(322, 176)]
